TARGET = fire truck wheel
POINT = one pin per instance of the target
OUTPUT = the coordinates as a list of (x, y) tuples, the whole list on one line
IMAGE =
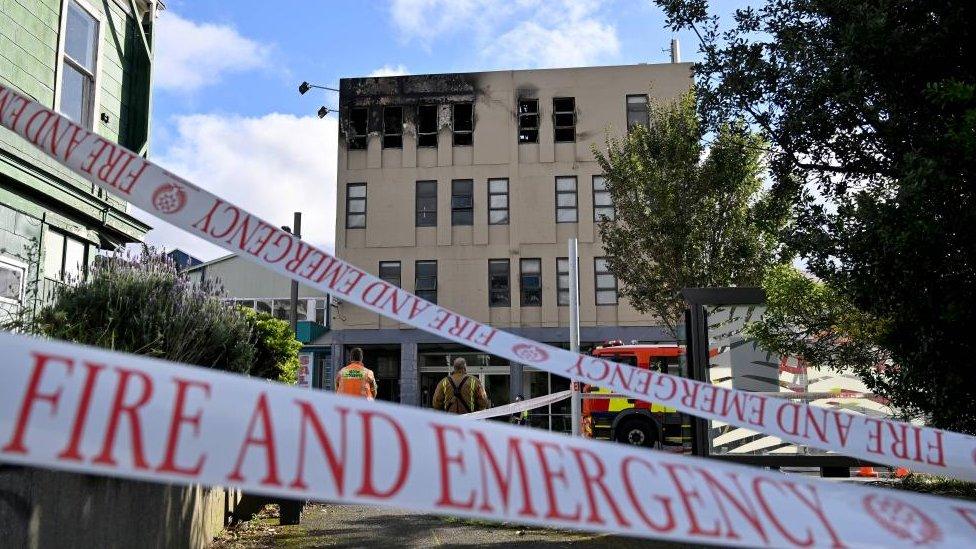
[(635, 432)]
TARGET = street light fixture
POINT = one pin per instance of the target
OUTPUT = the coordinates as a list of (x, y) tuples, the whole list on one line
[(323, 111), (305, 86)]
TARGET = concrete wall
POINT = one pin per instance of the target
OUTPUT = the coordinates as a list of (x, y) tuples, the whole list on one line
[(42, 509), (244, 279), (462, 252)]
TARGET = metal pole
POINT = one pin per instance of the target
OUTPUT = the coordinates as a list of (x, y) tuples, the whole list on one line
[(290, 510), (297, 231), (574, 331)]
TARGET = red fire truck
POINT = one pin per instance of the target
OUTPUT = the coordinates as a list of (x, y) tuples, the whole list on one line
[(630, 421)]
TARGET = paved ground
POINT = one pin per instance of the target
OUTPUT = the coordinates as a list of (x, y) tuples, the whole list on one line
[(326, 525)]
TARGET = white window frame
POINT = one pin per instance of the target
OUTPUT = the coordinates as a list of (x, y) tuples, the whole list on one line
[(12, 263), (96, 78)]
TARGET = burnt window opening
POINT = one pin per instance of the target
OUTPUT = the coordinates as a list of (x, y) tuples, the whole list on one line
[(637, 111), (528, 120), (357, 122), (426, 203), (392, 127), (462, 202), (427, 126), (499, 283), (462, 120), (564, 118)]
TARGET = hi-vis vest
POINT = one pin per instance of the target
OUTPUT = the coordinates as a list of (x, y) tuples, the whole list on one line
[(353, 381)]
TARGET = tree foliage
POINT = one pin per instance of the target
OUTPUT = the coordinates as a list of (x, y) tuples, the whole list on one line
[(869, 108), (687, 215), (275, 347)]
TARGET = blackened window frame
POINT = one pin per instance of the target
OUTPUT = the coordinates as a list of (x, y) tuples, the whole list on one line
[(530, 294), (463, 137), (500, 271), (350, 199), (428, 293), (462, 211), (574, 193), (387, 276), (560, 127), (492, 208), (392, 136), (604, 208), (528, 132), (358, 141), (426, 136), (424, 216)]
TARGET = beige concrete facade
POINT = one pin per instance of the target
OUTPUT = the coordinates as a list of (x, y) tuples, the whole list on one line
[(463, 252)]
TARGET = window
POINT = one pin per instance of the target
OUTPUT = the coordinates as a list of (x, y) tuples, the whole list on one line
[(357, 122), (636, 111), (322, 311), (528, 120), (11, 281), (356, 206), (426, 203), (566, 199), (564, 118), (392, 127), (463, 124), (530, 282), (462, 202), (498, 202), (602, 204), (427, 126), (606, 283), (78, 65), (425, 280), (65, 258), (390, 272), (499, 287), (562, 281)]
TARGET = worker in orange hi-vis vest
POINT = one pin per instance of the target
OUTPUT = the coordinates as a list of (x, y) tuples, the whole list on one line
[(356, 379)]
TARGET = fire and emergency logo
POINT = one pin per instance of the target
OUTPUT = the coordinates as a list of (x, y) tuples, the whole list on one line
[(169, 198), (530, 353), (903, 520)]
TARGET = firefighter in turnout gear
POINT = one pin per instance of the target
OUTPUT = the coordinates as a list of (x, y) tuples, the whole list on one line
[(460, 393), (356, 379)]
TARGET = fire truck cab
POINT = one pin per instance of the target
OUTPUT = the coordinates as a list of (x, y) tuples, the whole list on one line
[(631, 421)]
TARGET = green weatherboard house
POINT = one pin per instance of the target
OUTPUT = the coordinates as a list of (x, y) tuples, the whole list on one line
[(91, 61)]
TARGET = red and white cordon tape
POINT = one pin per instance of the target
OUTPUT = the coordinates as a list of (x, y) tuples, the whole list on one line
[(184, 205), (77, 408)]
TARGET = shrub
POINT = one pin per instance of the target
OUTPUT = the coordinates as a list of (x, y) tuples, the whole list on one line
[(275, 347)]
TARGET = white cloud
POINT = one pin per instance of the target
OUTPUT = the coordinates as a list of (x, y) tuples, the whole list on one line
[(190, 56), (390, 70), (514, 33), (272, 166)]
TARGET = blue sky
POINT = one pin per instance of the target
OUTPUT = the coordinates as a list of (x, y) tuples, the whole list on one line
[(227, 113)]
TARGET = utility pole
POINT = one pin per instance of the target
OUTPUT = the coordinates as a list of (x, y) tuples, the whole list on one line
[(574, 331), (297, 231), (290, 510)]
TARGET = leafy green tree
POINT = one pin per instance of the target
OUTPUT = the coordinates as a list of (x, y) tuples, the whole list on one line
[(686, 214), (275, 346), (869, 109)]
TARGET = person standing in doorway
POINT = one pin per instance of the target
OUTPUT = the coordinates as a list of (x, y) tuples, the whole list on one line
[(460, 393), (356, 379)]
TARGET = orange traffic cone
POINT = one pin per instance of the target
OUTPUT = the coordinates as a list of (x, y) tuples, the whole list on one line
[(867, 472), (902, 472)]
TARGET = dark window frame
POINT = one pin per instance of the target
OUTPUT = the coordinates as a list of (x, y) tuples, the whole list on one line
[(349, 201), (501, 296), (430, 294), (563, 128), (508, 213), (527, 132), (596, 282), (425, 217), (358, 141), (463, 215), (530, 295), (426, 137), (387, 277), (645, 109), (574, 193), (392, 137), (462, 137), (598, 208)]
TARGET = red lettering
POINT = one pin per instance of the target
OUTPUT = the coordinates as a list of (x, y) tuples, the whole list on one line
[(967, 514), (94, 155), (367, 488), (288, 239), (207, 219), (788, 429), (71, 451), (33, 394), (233, 224), (549, 474), (939, 454), (445, 461), (691, 500), (756, 488), (262, 414), (595, 479), (814, 505), (875, 436), (843, 429), (337, 464), (176, 423), (743, 505), (119, 407), (638, 503), (514, 454)]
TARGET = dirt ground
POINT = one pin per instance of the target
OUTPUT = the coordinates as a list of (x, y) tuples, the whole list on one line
[(328, 525)]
